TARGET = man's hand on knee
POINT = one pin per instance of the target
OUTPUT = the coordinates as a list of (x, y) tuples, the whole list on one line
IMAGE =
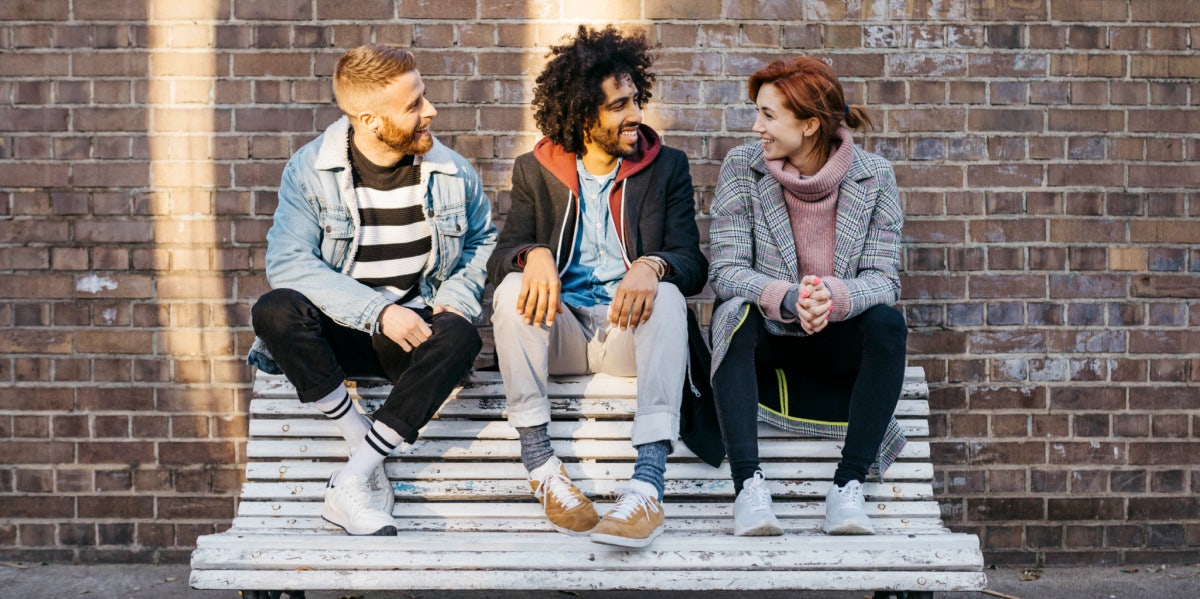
[(634, 300), (538, 300), (405, 327)]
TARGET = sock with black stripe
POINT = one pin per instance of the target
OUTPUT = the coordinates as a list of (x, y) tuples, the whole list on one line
[(339, 408), (375, 447)]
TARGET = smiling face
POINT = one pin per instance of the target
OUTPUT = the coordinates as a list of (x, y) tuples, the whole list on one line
[(615, 131), (783, 135), (402, 116)]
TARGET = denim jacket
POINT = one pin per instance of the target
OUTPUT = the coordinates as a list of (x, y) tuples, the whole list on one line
[(312, 243)]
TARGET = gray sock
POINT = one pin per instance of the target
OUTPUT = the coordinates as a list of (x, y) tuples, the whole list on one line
[(651, 466), (535, 446)]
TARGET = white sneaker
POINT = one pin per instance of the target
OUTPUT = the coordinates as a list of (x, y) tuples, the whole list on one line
[(752, 516), (844, 513), (349, 506), (380, 490), (383, 497)]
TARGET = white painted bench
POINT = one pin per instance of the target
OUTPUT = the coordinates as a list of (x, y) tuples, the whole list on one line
[(467, 519)]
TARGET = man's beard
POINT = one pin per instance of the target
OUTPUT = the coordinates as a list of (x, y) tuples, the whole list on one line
[(609, 140), (404, 142)]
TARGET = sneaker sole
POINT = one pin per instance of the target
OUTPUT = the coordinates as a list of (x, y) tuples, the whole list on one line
[(848, 528), (626, 541), (766, 529), (386, 531), (571, 533)]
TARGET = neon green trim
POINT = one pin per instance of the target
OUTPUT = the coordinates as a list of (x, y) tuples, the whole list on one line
[(783, 391), (827, 422), (740, 321), (823, 422)]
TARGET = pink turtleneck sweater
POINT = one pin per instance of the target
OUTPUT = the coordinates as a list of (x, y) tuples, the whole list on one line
[(812, 209)]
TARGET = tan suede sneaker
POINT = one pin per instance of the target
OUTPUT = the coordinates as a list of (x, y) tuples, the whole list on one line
[(567, 508), (635, 521)]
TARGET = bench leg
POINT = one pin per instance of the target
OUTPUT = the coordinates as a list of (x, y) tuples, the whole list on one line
[(271, 594)]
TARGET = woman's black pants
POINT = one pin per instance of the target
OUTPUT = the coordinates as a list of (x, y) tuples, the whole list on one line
[(868, 351)]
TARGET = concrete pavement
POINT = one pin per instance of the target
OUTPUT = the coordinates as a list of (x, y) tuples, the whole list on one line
[(31, 580)]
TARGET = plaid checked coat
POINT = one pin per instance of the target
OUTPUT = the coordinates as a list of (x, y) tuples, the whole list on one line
[(752, 246)]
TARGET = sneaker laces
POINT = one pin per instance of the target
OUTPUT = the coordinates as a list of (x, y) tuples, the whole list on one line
[(559, 487), (628, 501), (759, 495), (850, 495), (355, 490)]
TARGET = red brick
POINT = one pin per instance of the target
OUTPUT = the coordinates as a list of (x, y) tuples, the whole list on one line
[(982, 510), (1002, 398), (1163, 231), (1164, 11), (298, 10), (186, 453), (116, 506), (116, 452), (193, 508)]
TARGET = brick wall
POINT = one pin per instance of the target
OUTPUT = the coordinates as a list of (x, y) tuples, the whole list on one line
[(1046, 150)]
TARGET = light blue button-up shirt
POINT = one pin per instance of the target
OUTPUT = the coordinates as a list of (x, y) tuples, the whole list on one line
[(597, 265)]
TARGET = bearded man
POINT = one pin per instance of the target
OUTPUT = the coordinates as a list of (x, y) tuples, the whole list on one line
[(598, 250), (376, 259)]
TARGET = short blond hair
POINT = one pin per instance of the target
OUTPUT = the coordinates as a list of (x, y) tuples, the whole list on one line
[(365, 70)]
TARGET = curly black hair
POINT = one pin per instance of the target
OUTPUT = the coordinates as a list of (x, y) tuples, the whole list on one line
[(567, 97)]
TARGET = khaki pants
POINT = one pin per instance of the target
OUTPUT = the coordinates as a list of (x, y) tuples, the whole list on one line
[(582, 341)]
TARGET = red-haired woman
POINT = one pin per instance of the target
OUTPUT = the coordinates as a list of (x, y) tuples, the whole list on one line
[(805, 259)]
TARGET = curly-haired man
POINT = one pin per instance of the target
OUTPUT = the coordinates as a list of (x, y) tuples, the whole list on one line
[(597, 253)]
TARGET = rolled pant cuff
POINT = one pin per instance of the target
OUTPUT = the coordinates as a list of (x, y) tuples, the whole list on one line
[(323, 389), (535, 416), (405, 431), (661, 426)]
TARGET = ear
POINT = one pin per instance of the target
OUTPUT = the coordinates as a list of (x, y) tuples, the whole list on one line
[(811, 126), (366, 119)]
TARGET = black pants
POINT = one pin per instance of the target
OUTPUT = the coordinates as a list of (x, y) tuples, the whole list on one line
[(317, 354), (867, 351)]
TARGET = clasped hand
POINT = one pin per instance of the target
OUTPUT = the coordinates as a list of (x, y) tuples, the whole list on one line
[(814, 305)]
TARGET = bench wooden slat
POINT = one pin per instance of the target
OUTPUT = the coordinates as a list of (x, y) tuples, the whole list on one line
[(540, 525), (404, 470), (518, 489), (505, 450), (493, 408), (531, 509), (490, 385), (518, 551), (300, 427), (841, 579)]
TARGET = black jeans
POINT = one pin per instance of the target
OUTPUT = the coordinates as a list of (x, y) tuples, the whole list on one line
[(317, 354), (867, 351)]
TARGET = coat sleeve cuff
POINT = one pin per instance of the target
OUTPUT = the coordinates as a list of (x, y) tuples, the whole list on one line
[(772, 295), (519, 257), (840, 296)]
